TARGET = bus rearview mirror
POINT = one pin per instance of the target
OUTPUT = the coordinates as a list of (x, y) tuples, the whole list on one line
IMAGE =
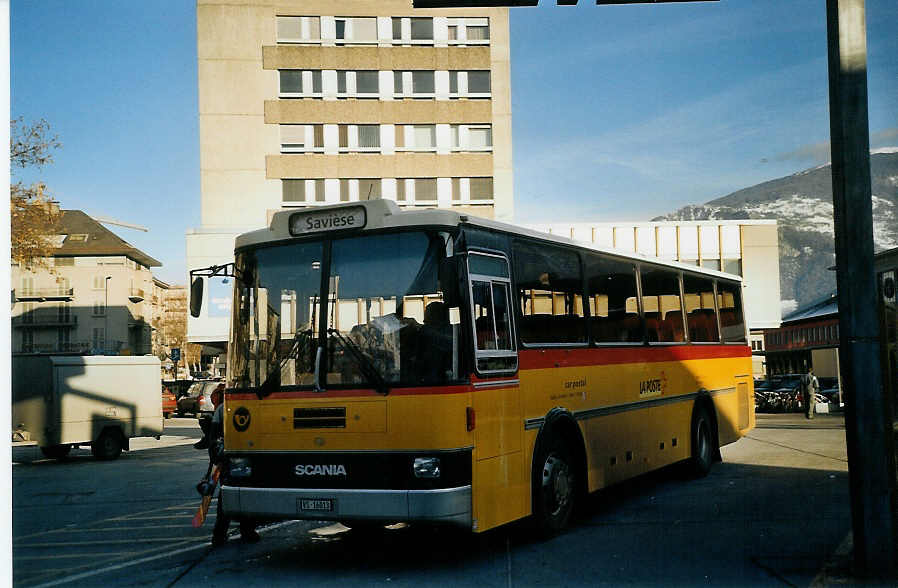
[(196, 297)]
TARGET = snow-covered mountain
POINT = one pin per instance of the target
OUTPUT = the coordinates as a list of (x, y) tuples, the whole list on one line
[(802, 203)]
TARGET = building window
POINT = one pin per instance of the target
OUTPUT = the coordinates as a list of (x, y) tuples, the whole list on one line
[(414, 84), (369, 136), (422, 29), (470, 84), (471, 137), (296, 191), (400, 190), (352, 30), (470, 31), (415, 137), (359, 138), (295, 83), (412, 30), (358, 84), (99, 308), (302, 138), (478, 82), (422, 82), (299, 29), (425, 190), (481, 188), (369, 189)]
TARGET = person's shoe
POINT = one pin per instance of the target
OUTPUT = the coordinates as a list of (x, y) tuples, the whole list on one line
[(202, 443), (219, 538), (249, 535)]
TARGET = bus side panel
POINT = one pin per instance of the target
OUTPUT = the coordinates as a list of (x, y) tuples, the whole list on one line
[(500, 482), (501, 491), (735, 411)]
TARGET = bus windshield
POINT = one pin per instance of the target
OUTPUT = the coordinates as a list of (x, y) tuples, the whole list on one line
[(390, 318)]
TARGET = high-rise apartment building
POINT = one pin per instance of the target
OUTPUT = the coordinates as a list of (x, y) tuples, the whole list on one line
[(308, 103)]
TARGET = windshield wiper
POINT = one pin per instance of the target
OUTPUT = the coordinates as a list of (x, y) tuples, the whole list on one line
[(366, 366), (298, 348)]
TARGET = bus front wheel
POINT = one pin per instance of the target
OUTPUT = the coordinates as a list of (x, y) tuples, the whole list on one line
[(554, 488), (702, 439)]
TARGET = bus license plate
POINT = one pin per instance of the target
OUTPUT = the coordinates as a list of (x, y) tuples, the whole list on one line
[(319, 504)]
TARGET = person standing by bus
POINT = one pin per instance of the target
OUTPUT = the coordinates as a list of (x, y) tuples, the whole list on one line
[(215, 444), (809, 388)]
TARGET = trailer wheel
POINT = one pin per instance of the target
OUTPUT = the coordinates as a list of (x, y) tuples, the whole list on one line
[(108, 445), (57, 451)]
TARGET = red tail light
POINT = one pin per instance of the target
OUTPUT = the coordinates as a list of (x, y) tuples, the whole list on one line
[(470, 418)]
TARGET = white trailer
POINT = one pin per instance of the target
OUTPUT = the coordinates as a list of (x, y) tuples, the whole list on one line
[(102, 401)]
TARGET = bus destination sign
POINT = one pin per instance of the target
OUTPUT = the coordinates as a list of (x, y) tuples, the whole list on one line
[(303, 223)]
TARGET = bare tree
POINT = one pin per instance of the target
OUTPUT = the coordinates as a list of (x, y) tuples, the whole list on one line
[(33, 214)]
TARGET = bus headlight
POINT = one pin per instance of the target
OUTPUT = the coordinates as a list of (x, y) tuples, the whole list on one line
[(427, 467), (240, 467)]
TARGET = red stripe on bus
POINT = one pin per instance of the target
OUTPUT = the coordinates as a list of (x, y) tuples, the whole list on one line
[(332, 393), (532, 359)]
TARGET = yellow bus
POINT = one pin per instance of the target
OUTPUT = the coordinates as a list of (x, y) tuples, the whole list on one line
[(429, 366)]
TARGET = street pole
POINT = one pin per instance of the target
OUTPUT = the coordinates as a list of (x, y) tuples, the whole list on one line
[(868, 416), (106, 316)]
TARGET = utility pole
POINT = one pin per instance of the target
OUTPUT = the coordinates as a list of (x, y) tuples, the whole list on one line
[(868, 414), (106, 316)]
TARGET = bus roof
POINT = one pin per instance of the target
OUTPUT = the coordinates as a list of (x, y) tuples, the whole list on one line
[(386, 214)]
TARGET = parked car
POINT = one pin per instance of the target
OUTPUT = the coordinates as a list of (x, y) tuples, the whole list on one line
[(169, 402), (198, 398), (178, 387)]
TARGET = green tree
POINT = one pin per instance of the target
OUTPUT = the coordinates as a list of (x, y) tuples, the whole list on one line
[(33, 214)]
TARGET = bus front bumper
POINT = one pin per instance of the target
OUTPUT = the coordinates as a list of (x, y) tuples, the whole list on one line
[(446, 505)]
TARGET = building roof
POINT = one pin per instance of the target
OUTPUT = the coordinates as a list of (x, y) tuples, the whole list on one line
[(826, 306), (81, 235)]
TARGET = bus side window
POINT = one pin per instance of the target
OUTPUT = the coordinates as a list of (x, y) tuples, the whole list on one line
[(494, 343), (701, 318), (729, 300), (549, 294), (614, 315), (661, 305)]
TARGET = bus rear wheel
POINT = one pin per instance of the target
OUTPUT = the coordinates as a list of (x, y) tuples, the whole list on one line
[(554, 487), (702, 439)]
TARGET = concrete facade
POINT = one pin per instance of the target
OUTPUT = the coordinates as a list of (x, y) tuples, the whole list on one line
[(317, 102)]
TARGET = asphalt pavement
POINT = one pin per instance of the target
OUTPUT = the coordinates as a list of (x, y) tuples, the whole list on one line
[(773, 513)]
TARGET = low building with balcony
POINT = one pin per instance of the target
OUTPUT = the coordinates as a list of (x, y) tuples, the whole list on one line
[(88, 297)]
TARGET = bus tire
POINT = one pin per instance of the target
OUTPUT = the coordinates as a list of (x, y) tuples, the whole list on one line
[(702, 440), (57, 451), (554, 486), (108, 445)]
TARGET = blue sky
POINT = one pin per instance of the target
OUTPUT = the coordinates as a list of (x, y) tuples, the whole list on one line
[(619, 112)]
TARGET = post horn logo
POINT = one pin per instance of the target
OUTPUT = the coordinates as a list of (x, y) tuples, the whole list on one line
[(241, 419)]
